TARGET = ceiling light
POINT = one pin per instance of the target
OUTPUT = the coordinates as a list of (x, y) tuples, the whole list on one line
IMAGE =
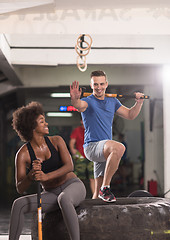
[(60, 95), (59, 114)]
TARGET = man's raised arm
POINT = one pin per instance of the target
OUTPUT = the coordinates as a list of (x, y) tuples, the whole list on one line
[(75, 94)]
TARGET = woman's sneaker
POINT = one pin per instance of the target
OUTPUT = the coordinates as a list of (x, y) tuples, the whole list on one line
[(106, 195)]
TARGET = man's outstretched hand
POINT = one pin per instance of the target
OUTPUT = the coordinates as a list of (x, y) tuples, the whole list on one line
[(75, 91)]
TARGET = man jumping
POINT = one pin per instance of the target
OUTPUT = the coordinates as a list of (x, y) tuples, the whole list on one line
[(97, 114)]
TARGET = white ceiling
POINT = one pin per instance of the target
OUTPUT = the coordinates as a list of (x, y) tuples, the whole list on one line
[(53, 50), (44, 33), (45, 5)]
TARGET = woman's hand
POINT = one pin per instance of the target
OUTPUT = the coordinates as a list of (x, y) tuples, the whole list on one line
[(40, 176), (36, 165), (37, 173)]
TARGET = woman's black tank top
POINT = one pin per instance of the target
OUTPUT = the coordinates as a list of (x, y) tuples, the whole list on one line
[(51, 164)]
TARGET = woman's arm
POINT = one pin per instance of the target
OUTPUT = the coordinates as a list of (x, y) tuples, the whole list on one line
[(23, 180)]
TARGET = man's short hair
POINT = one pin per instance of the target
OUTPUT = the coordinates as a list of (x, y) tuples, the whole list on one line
[(98, 73)]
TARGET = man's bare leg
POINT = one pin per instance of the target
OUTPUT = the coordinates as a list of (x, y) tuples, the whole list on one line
[(98, 184), (113, 151), (92, 185)]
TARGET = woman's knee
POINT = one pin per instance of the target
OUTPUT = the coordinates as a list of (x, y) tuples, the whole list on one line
[(63, 199), (18, 204)]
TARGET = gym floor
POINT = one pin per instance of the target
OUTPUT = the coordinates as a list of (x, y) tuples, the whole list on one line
[(4, 225)]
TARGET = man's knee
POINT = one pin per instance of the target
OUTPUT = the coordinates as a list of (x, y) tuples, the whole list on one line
[(122, 149), (113, 147)]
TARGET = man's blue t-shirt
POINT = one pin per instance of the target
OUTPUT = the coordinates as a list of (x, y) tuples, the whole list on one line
[(98, 118)]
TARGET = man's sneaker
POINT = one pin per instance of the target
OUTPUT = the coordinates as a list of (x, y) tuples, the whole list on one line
[(106, 195)]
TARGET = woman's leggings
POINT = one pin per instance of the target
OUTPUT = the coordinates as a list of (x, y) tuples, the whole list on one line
[(66, 197)]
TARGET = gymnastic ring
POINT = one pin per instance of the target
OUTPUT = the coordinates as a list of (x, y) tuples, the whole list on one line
[(85, 35), (82, 67), (82, 54), (83, 48), (89, 44), (81, 64)]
